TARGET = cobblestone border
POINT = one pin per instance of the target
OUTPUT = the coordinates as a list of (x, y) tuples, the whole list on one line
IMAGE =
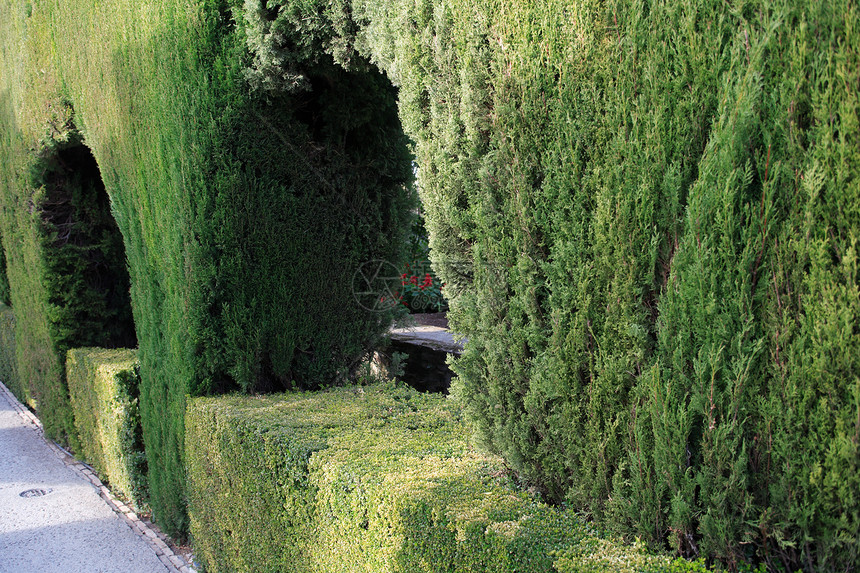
[(164, 548)]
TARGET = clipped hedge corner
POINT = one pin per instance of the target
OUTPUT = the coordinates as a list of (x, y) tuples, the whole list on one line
[(103, 385), (371, 479)]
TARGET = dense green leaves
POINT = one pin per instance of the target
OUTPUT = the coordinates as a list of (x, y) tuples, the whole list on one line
[(86, 272), (643, 212), (68, 265), (104, 388), (292, 483), (246, 206), (5, 296)]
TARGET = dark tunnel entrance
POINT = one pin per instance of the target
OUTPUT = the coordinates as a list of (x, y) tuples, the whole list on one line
[(87, 273)]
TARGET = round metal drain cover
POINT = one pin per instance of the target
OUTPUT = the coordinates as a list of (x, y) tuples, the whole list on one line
[(35, 492)]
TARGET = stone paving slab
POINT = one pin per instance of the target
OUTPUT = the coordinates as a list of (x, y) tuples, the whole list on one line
[(55, 514), (433, 337)]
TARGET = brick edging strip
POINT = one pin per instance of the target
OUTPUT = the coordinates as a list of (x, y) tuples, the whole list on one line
[(174, 562)]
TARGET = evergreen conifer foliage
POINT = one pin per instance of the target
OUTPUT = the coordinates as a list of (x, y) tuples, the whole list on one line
[(297, 183), (314, 184), (4, 279), (645, 214), (85, 256), (327, 168), (86, 279), (68, 263)]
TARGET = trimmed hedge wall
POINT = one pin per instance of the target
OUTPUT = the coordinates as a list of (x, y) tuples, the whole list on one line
[(645, 214), (65, 260), (371, 479), (104, 390), (246, 210)]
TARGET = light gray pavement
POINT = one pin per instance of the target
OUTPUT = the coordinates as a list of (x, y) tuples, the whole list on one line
[(68, 529), (434, 337)]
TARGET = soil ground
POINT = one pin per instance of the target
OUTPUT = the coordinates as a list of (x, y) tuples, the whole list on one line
[(439, 319)]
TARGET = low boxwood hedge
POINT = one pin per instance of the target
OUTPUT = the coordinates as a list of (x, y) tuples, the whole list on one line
[(103, 386), (376, 479)]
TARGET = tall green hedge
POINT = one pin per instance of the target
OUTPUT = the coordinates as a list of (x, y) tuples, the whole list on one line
[(86, 274), (646, 214), (247, 200), (65, 258)]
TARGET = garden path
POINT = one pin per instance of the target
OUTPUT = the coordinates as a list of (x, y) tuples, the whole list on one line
[(56, 516)]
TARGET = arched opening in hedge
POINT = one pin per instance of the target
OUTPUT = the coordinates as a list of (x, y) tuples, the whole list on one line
[(87, 275), (316, 181)]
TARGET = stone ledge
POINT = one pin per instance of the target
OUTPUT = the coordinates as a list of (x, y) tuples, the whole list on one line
[(433, 337)]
